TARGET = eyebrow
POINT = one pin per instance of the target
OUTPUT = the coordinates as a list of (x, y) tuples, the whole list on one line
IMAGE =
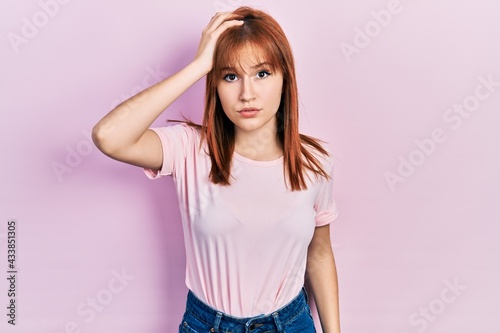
[(259, 65)]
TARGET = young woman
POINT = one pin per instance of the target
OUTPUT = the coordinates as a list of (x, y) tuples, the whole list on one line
[(255, 195)]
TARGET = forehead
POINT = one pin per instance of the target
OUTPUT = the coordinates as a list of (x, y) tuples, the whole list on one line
[(246, 58)]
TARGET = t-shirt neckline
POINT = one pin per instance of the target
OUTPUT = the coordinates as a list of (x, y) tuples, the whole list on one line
[(247, 160)]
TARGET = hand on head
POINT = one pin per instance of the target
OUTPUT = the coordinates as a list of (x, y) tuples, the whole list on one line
[(219, 23)]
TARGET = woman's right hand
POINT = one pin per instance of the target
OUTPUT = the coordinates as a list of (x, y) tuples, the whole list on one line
[(219, 23)]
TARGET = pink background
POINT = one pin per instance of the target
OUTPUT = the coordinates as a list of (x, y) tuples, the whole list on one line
[(418, 254)]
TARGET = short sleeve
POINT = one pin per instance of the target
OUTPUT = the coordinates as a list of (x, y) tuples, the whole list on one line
[(325, 206), (176, 140)]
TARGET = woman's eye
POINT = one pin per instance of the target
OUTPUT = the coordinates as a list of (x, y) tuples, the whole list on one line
[(263, 74), (230, 77)]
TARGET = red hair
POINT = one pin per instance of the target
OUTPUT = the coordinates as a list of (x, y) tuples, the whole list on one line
[(259, 31)]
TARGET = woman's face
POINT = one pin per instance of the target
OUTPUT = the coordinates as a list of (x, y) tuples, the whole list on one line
[(250, 94)]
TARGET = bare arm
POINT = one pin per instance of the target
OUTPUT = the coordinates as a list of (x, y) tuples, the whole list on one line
[(321, 275), (123, 134)]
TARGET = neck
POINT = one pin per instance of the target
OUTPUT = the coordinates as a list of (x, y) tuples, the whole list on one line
[(260, 145)]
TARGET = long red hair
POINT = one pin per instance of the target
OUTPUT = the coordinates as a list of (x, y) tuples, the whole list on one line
[(261, 31)]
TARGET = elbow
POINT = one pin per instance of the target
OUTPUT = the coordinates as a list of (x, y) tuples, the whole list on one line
[(97, 136), (101, 139)]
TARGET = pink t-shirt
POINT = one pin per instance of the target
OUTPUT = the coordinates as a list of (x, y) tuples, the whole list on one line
[(246, 244)]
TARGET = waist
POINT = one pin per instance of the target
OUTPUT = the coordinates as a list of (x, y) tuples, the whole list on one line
[(216, 318)]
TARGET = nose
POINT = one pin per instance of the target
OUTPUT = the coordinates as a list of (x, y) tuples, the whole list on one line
[(247, 92)]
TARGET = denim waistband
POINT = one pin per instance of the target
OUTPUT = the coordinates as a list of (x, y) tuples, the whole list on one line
[(218, 319)]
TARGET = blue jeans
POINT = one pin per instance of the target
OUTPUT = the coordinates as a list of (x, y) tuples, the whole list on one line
[(292, 318)]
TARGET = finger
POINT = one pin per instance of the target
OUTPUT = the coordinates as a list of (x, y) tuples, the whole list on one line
[(224, 26), (218, 19), (219, 16), (211, 24)]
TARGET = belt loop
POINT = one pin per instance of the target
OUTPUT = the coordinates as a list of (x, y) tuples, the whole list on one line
[(217, 321), (277, 322)]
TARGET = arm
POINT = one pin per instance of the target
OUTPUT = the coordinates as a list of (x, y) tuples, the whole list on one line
[(123, 134), (321, 277)]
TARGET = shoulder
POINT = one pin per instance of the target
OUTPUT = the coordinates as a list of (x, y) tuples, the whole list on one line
[(181, 127), (180, 132), (180, 139)]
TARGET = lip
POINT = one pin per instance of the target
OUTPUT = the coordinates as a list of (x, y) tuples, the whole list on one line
[(248, 112)]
